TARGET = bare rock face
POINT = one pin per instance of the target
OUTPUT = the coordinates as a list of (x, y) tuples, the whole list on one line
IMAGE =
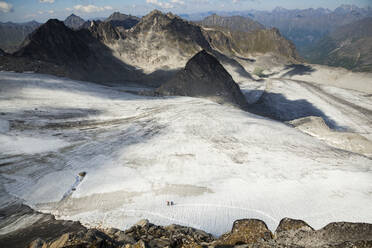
[(288, 225), (204, 76), (246, 231), (104, 31)]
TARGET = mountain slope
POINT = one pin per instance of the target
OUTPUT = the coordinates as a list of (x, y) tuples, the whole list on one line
[(55, 42), (349, 46), (13, 34), (227, 36), (204, 76), (160, 42), (74, 21), (233, 23), (79, 54)]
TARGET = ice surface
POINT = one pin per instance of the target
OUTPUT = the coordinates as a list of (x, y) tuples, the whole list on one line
[(217, 163)]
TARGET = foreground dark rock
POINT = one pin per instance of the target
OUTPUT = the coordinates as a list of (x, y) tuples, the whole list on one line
[(204, 76), (245, 233), (47, 232)]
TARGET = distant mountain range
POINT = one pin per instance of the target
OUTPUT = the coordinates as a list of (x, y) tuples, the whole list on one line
[(241, 36), (233, 23), (302, 26), (13, 34), (150, 52), (348, 46)]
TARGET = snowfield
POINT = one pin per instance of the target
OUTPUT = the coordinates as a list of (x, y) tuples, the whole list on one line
[(216, 162)]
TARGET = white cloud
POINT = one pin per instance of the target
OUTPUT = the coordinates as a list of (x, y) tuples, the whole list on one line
[(51, 11), (5, 7), (164, 5), (178, 2), (46, 1), (91, 8)]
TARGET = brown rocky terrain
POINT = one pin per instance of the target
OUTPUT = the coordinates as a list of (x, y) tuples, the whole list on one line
[(47, 232)]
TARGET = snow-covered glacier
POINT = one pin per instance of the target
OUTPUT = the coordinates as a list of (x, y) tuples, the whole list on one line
[(217, 163)]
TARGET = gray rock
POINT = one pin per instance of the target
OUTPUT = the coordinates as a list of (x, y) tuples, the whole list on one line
[(204, 76), (143, 223)]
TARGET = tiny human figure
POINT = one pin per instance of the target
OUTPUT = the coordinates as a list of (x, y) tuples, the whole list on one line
[(172, 203), (167, 203)]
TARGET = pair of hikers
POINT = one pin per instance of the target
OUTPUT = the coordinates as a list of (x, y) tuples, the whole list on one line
[(170, 203)]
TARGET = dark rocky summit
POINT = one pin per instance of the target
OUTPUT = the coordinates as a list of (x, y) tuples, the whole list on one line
[(55, 42), (73, 21), (80, 54), (204, 76), (118, 19)]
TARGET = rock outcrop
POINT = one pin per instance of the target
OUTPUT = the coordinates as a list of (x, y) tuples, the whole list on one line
[(245, 233), (248, 231), (204, 76)]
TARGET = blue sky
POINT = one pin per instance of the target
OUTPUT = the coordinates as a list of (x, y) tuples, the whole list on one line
[(41, 10)]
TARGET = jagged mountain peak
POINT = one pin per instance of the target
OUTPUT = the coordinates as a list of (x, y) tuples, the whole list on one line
[(204, 76), (73, 21), (54, 41)]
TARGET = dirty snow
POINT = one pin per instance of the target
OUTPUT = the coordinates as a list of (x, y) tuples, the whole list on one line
[(217, 163)]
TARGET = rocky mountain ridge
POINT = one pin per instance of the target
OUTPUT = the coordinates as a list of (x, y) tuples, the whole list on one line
[(150, 52), (233, 23)]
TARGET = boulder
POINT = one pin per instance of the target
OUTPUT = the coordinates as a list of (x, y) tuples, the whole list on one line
[(246, 231)]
